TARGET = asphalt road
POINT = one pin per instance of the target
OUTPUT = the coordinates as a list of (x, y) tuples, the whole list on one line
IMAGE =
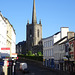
[(36, 69)]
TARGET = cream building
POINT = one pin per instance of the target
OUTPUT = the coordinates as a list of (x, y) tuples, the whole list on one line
[(7, 35), (11, 40), (3, 29)]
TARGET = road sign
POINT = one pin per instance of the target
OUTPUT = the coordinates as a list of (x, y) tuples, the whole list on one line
[(14, 54), (5, 52), (3, 57)]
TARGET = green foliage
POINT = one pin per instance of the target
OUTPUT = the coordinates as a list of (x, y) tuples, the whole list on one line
[(33, 54), (39, 54), (30, 53), (33, 57), (26, 54)]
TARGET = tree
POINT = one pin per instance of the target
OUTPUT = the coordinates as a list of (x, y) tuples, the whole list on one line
[(39, 53), (30, 53)]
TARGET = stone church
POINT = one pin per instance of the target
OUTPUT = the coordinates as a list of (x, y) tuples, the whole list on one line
[(34, 33)]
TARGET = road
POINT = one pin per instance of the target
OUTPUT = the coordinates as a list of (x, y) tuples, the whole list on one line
[(37, 69)]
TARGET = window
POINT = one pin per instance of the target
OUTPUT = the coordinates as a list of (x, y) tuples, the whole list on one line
[(46, 52), (62, 46), (30, 33), (48, 43), (7, 31), (44, 44), (50, 52), (38, 32), (52, 43)]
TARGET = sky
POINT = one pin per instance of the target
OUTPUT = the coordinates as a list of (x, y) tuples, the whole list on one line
[(53, 14)]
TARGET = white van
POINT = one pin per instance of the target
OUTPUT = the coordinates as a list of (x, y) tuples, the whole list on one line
[(24, 67)]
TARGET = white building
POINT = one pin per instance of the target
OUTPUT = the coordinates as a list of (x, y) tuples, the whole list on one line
[(13, 49), (7, 37), (48, 46), (3, 28), (59, 52)]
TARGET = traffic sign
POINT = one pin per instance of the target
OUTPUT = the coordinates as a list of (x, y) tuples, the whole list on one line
[(3, 57), (14, 54), (5, 52)]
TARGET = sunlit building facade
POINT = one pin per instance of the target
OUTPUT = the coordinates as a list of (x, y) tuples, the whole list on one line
[(7, 35), (48, 46)]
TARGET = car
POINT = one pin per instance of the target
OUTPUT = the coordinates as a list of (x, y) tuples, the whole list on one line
[(24, 67)]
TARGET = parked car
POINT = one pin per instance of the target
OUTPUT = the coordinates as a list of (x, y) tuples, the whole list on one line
[(24, 67)]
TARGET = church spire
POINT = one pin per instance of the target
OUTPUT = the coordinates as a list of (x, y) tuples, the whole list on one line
[(34, 21)]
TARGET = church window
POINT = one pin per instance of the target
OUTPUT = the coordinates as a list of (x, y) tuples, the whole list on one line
[(30, 33), (38, 33)]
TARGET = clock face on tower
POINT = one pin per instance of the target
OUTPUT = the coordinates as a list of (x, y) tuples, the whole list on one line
[(30, 35)]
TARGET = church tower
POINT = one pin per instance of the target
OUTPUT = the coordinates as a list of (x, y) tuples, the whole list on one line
[(33, 31)]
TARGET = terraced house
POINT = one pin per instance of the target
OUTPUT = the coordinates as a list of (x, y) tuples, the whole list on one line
[(50, 52)]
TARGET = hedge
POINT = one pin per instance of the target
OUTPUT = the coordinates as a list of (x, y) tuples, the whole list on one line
[(38, 58)]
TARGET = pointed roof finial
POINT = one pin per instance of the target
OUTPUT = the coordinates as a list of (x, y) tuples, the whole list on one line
[(27, 21), (40, 21), (34, 14), (0, 11)]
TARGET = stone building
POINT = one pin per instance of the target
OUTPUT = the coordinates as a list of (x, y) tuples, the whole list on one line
[(34, 33), (21, 47)]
